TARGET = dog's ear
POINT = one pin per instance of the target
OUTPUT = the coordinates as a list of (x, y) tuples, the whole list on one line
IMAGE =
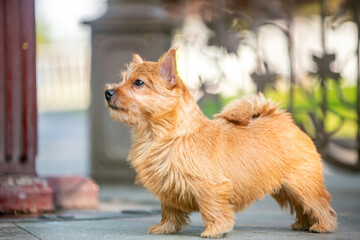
[(167, 68), (136, 59)]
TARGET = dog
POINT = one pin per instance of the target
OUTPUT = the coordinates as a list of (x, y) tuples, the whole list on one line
[(220, 166)]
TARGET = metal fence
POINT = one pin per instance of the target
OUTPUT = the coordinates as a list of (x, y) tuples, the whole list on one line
[(322, 105), (63, 76)]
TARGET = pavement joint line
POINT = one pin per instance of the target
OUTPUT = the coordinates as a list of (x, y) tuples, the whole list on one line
[(27, 231), (40, 220)]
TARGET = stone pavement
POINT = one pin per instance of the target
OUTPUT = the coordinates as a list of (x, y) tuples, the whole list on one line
[(63, 144), (126, 212)]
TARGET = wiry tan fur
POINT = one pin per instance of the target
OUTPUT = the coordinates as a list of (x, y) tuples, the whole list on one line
[(220, 166)]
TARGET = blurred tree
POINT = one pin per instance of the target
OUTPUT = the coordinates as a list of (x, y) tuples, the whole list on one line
[(42, 33)]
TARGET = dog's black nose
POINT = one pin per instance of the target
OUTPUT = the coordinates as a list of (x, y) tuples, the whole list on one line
[(109, 93)]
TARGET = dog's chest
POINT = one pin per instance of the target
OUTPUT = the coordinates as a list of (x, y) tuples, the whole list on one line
[(159, 168)]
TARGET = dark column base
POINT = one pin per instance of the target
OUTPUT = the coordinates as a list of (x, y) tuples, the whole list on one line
[(74, 192), (25, 194)]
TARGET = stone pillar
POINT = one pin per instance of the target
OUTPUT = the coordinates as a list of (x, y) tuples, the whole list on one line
[(20, 189), (126, 28)]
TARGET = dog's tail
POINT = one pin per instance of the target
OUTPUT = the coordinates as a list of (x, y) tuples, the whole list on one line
[(244, 110)]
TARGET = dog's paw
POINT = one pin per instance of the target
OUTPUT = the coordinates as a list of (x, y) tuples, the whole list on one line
[(298, 226), (162, 228), (318, 228), (213, 234)]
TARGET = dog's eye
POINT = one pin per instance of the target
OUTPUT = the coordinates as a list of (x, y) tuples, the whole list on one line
[(138, 83)]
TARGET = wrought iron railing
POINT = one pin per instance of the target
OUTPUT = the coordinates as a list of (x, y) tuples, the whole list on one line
[(226, 17)]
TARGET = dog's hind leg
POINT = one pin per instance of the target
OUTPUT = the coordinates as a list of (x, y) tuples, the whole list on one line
[(286, 201), (310, 200)]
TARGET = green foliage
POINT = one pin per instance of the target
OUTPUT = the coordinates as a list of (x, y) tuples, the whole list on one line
[(210, 107), (305, 103), (42, 33)]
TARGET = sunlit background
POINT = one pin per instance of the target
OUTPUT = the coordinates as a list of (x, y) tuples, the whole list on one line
[(215, 73), (63, 84)]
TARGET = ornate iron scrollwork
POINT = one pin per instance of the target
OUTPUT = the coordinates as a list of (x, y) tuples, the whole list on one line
[(229, 17)]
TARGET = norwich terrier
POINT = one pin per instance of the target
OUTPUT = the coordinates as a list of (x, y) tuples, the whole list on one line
[(219, 166)]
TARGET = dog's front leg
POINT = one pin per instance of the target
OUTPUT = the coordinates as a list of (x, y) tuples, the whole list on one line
[(172, 221), (217, 214)]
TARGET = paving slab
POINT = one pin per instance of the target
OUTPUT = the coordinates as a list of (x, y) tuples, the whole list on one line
[(249, 225), (126, 212), (10, 231)]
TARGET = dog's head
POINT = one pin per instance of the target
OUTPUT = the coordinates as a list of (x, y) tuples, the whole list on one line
[(146, 91)]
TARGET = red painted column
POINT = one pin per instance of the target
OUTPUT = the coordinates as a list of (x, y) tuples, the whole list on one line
[(28, 43), (2, 87), (20, 189)]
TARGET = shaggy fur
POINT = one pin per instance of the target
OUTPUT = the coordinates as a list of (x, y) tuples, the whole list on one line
[(220, 166)]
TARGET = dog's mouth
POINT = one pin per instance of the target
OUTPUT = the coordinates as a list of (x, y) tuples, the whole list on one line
[(115, 108)]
